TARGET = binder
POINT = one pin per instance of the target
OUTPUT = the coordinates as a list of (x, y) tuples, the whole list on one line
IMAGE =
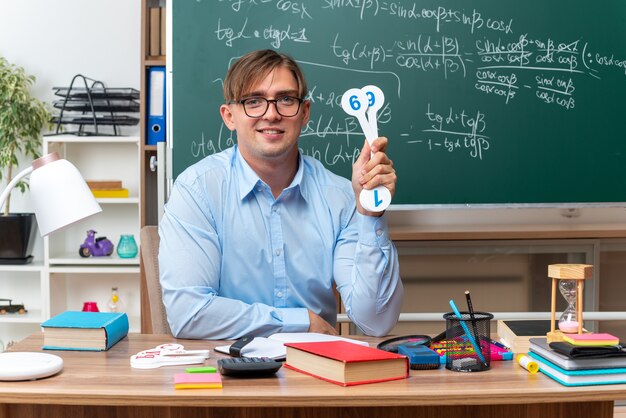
[(156, 105), (155, 31)]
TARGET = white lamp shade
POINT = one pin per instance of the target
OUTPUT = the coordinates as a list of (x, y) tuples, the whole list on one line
[(60, 196)]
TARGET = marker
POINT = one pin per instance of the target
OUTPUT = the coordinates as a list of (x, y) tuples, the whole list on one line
[(470, 308), (528, 363), (207, 369)]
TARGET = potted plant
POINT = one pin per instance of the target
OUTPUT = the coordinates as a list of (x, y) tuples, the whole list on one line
[(22, 117)]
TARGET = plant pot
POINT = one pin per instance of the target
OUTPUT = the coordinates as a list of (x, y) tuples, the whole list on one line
[(17, 238)]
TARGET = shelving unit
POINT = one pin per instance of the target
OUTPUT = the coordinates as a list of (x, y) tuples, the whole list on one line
[(148, 153), (62, 280), (149, 204), (73, 279)]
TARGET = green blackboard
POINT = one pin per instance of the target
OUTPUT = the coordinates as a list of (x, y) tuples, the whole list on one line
[(486, 102)]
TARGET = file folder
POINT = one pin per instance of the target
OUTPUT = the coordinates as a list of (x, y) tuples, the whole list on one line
[(156, 105)]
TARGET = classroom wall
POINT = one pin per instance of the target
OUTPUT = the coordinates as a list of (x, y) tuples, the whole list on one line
[(56, 39)]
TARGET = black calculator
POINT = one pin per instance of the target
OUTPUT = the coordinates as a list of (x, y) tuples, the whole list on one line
[(248, 366)]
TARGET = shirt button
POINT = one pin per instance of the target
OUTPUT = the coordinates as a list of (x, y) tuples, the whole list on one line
[(277, 252), (279, 294), (379, 232)]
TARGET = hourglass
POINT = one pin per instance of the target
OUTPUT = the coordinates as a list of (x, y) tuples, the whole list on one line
[(570, 280)]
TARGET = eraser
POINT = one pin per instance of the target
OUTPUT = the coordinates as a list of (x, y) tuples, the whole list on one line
[(420, 356)]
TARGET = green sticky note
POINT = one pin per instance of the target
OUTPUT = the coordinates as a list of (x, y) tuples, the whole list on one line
[(207, 369)]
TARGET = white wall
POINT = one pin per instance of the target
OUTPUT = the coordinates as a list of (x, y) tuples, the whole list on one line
[(57, 39)]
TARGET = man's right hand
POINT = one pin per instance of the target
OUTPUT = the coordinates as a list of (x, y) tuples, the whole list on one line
[(317, 324)]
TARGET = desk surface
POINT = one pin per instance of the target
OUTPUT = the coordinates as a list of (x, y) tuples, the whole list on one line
[(106, 378)]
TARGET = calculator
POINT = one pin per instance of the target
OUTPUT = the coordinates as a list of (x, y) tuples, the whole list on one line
[(248, 366)]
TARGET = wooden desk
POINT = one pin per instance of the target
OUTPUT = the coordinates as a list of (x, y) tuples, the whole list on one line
[(104, 385)]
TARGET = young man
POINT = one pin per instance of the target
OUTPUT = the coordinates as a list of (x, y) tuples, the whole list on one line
[(254, 237)]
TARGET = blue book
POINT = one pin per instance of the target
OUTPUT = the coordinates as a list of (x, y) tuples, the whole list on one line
[(85, 331), (587, 377)]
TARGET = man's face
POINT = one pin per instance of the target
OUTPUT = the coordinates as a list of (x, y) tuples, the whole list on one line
[(271, 138)]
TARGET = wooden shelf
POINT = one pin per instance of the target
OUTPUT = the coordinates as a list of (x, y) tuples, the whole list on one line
[(153, 61), (36, 265), (33, 316), (76, 260), (75, 139), (505, 232)]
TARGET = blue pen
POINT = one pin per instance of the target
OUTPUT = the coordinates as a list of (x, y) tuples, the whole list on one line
[(467, 332)]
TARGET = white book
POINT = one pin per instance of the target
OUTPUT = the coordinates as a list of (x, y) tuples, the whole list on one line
[(273, 346)]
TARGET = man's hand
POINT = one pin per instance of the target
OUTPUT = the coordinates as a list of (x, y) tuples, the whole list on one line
[(370, 171), (317, 324)]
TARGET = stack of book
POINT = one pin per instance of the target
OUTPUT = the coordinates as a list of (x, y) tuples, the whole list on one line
[(580, 365), (107, 188)]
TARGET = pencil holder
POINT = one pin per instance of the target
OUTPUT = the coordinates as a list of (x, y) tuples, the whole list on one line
[(467, 341)]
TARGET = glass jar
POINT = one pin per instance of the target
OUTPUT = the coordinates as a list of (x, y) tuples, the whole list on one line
[(127, 247)]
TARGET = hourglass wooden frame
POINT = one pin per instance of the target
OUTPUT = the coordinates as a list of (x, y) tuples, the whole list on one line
[(578, 272)]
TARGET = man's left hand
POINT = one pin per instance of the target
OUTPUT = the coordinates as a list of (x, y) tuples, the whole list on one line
[(373, 168)]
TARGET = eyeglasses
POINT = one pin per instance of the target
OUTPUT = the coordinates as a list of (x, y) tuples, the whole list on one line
[(256, 107)]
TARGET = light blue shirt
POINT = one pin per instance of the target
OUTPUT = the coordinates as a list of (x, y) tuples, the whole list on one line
[(234, 260)]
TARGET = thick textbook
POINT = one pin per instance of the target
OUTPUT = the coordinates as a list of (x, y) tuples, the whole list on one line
[(540, 346), (274, 345), (517, 333), (346, 364), (90, 331), (610, 376)]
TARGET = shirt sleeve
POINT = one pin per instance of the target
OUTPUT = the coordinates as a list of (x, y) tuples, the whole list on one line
[(367, 274), (189, 264)]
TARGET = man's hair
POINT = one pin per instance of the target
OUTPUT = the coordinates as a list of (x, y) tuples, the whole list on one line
[(253, 67)]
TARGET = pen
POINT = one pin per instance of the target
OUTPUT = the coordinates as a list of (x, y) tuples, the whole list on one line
[(467, 332), (498, 344), (470, 308)]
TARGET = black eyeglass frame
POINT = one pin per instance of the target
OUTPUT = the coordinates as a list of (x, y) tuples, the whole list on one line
[(267, 105)]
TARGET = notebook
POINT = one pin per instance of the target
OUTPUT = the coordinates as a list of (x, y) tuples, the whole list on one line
[(541, 347), (580, 377)]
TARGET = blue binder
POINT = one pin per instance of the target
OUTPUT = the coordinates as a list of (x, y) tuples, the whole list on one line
[(156, 106)]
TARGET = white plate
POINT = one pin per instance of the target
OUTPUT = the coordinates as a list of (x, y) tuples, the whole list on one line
[(28, 366)]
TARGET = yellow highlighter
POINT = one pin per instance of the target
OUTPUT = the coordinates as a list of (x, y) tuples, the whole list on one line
[(527, 362)]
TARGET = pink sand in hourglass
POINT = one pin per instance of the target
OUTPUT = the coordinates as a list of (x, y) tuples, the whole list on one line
[(568, 326)]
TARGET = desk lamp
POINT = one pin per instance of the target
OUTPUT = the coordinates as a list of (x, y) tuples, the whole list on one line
[(60, 198), (58, 192)]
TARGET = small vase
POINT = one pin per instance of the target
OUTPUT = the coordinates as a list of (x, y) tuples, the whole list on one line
[(127, 247)]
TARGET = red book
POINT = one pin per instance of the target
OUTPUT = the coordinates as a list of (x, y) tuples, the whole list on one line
[(345, 363)]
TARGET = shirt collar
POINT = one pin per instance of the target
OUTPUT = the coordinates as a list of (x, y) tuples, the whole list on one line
[(248, 179)]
